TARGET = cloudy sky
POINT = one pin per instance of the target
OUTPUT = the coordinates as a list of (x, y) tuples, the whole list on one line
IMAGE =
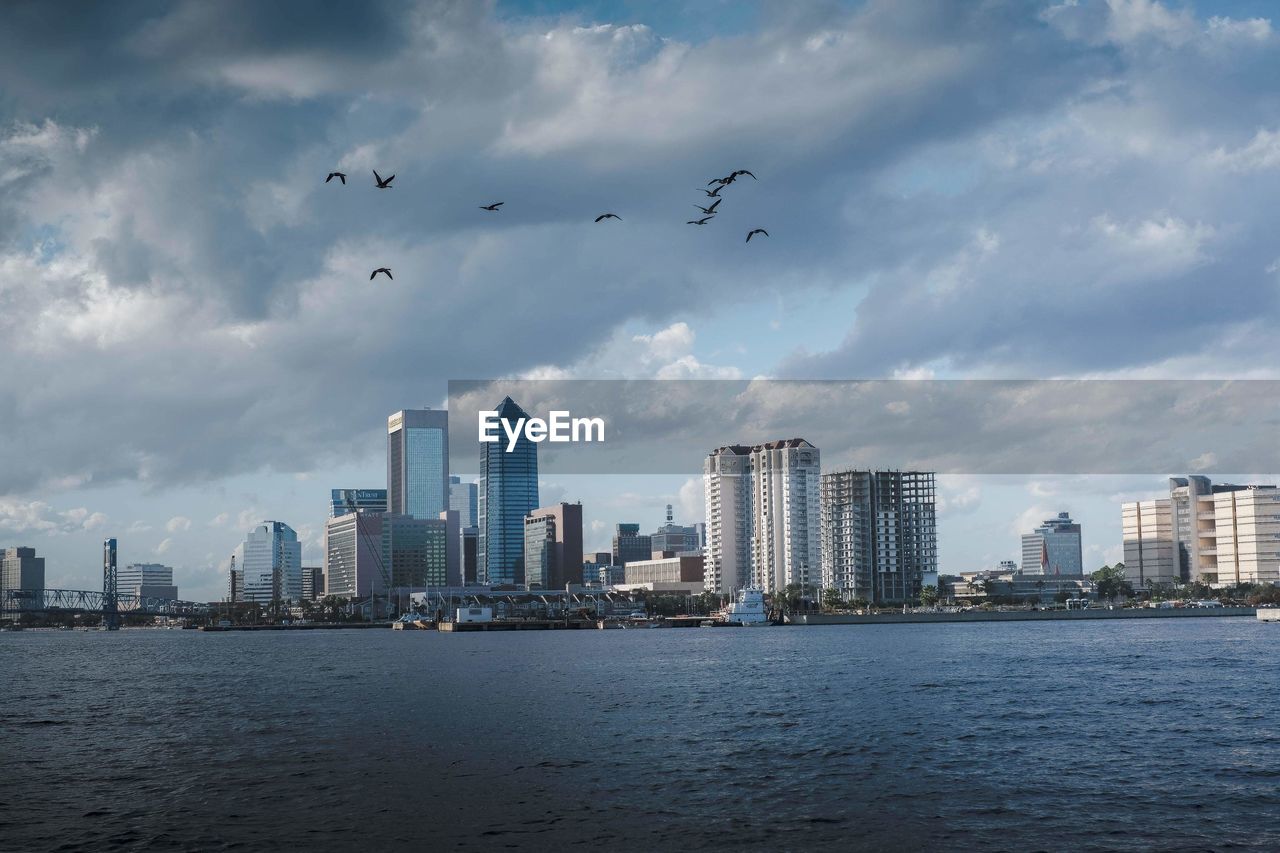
[(1003, 189)]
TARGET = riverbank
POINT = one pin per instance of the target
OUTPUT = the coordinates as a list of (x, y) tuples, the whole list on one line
[(1021, 615), (299, 626)]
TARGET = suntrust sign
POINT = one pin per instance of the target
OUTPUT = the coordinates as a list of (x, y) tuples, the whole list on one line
[(560, 426)]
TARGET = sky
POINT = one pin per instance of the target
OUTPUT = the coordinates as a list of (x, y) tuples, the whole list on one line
[(189, 341)]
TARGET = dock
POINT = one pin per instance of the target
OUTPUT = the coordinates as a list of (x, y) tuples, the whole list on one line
[(515, 625)]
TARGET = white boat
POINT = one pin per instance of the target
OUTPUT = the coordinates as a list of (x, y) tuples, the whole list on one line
[(748, 611), (1269, 614)]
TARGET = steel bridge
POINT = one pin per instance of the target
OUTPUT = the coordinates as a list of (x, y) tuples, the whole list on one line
[(14, 602)]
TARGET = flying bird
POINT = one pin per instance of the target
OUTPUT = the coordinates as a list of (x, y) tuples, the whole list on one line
[(608, 216), (756, 231), (703, 221), (712, 209), (339, 175), (383, 184), (383, 270), (742, 172), (494, 206), (712, 193)]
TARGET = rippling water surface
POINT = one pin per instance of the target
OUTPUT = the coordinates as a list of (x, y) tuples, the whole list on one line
[(1002, 736)]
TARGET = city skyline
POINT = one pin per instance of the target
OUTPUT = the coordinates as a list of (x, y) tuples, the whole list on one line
[(965, 505), (939, 243)]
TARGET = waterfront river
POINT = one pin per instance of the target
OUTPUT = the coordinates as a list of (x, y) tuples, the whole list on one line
[(1001, 736)]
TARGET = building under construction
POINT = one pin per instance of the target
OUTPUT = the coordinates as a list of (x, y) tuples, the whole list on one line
[(879, 534)]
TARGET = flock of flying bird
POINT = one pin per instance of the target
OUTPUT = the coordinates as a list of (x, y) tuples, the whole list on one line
[(708, 213)]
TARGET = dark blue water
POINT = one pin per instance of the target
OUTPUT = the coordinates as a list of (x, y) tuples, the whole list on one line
[(1002, 736)]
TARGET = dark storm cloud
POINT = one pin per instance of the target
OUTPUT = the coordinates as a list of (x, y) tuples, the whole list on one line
[(183, 298)]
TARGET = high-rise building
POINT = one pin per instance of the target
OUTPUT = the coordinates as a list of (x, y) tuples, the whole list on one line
[(453, 570), (464, 499), (418, 463), (1053, 548), (353, 564), (270, 564), (1220, 534), (762, 515), (343, 501), (312, 583), (20, 568), (1247, 522), (146, 580), (507, 493), (366, 551), (416, 551), (470, 550), (879, 533), (553, 546), (629, 544), (679, 538), (1148, 543)]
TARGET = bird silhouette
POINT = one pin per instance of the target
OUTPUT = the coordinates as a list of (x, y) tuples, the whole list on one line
[(712, 193), (743, 172), (339, 175), (494, 206), (712, 209), (608, 216), (382, 270), (756, 231), (703, 221), (383, 183)]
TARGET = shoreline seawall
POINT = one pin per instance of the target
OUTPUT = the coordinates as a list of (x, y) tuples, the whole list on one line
[(1020, 615)]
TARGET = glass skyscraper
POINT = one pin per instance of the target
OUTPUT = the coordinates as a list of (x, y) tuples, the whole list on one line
[(269, 562), (508, 492), (463, 498), (418, 463)]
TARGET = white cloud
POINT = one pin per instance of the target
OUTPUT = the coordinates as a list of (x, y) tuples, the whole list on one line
[(18, 516), (1203, 462), (1261, 152), (164, 546), (693, 503), (178, 523)]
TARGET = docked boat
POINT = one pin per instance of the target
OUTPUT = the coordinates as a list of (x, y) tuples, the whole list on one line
[(748, 610)]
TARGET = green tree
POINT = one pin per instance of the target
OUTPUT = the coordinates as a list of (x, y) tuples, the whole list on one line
[(1264, 594), (1110, 582), (832, 598), (929, 596)]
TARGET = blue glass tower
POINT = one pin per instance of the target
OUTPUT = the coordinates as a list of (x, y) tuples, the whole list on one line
[(418, 462), (508, 492)]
